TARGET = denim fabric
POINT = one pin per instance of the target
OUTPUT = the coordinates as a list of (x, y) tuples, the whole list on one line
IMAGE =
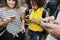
[(35, 35)]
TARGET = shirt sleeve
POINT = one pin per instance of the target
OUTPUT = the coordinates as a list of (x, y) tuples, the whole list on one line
[(1, 13)]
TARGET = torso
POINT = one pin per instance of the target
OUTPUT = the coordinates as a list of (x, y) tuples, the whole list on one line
[(14, 26)]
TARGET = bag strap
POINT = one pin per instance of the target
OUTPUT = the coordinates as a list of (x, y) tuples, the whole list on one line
[(44, 14), (55, 14)]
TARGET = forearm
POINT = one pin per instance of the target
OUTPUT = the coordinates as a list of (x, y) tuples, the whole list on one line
[(53, 29), (58, 37), (23, 23), (48, 25), (23, 26), (3, 23), (36, 22)]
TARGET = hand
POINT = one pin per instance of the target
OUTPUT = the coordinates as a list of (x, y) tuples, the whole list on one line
[(27, 20), (33, 20), (56, 22), (22, 29), (27, 17), (49, 19), (55, 32), (10, 19), (53, 29), (1, 21)]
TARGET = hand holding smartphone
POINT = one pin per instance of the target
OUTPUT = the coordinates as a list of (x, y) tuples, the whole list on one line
[(12, 17), (43, 19), (48, 19), (27, 17)]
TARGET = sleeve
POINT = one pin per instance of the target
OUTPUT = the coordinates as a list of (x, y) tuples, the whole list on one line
[(1, 14)]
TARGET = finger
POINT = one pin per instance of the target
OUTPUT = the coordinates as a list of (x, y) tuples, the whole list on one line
[(50, 31)]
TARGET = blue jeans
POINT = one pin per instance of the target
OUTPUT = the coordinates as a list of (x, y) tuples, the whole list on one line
[(34, 35)]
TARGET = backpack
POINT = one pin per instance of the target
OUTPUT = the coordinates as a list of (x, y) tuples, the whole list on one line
[(56, 13), (27, 12), (43, 16)]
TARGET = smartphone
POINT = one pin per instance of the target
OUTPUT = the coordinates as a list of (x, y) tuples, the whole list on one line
[(27, 17), (42, 19), (12, 17)]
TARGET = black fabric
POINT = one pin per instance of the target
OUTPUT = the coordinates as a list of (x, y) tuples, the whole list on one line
[(55, 14), (44, 14), (35, 31), (52, 5), (8, 36), (45, 33), (27, 13), (1, 30)]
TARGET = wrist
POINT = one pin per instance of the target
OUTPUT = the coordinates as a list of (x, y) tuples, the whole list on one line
[(6, 20), (38, 23)]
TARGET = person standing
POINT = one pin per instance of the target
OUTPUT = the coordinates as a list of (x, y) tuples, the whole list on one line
[(11, 16), (35, 31)]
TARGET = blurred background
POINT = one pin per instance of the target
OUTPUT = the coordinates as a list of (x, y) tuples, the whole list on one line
[(21, 2)]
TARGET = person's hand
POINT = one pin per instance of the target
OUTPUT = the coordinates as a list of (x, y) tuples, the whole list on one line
[(55, 32), (10, 19), (22, 29), (53, 29), (56, 22), (33, 20), (27, 17), (1, 20), (27, 20), (49, 19)]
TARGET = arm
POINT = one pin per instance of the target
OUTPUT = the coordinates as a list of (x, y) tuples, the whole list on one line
[(7, 20), (47, 14), (22, 17), (23, 25), (4, 22), (48, 25), (23, 21)]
